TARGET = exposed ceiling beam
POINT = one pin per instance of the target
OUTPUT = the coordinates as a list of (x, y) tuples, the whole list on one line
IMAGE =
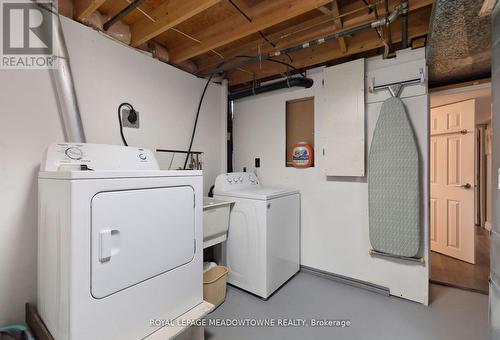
[(207, 62), (487, 8), (166, 16), (326, 10), (321, 54), (318, 27), (84, 8), (122, 13), (263, 15), (332, 10), (338, 23)]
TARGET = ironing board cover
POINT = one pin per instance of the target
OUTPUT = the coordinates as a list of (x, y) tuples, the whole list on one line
[(393, 183)]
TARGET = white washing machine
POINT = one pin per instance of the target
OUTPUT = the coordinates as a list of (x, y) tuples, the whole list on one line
[(119, 242), (262, 248)]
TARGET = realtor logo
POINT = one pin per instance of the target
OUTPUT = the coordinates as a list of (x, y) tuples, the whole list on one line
[(27, 34)]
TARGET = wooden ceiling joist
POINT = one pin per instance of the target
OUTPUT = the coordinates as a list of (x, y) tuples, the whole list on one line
[(487, 8), (319, 27), (332, 10), (208, 32), (361, 42), (84, 8), (166, 16), (207, 62), (338, 23), (263, 15)]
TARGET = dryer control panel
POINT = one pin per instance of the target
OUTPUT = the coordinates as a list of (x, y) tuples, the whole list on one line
[(236, 180), (83, 156)]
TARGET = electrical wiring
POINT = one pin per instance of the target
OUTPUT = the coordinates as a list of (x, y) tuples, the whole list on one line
[(203, 96), (132, 112), (198, 114), (196, 120)]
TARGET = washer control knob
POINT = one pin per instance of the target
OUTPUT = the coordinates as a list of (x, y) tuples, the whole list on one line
[(142, 156), (74, 153)]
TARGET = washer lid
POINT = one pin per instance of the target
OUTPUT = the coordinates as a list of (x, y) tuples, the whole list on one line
[(258, 193)]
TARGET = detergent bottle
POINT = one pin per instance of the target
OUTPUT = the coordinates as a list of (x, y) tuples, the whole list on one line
[(302, 155)]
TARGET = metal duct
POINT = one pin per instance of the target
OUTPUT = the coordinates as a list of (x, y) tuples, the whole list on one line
[(62, 81), (459, 43), (287, 83)]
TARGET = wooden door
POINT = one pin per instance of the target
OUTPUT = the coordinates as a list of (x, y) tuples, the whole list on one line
[(452, 180)]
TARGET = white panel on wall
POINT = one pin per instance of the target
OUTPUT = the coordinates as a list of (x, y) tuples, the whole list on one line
[(344, 119)]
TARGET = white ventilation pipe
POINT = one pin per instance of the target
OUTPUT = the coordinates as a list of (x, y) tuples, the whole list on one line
[(62, 81)]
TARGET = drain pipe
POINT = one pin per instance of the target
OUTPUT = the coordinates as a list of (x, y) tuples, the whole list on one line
[(404, 23), (131, 6), (62, 81), (378, 23), (283, 84)]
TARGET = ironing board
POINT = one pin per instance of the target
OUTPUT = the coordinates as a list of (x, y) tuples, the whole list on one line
[(393, 184)]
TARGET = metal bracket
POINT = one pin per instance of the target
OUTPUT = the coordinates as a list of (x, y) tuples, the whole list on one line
[(373, 252), (396, 88)]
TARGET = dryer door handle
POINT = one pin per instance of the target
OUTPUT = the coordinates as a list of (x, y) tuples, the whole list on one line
[(109, 244)]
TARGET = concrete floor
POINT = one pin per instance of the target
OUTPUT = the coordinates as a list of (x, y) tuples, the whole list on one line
[(453, 314), (460, 274)]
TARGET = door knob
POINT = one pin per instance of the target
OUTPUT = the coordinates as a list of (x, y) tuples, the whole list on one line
[(465, 186)]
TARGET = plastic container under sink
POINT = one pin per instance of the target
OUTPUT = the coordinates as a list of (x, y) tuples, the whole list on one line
[(215, 221), (214, 285)]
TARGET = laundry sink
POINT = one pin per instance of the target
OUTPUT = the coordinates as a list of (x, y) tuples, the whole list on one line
[(215, 221)]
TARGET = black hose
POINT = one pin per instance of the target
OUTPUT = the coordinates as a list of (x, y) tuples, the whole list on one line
[(277, 62), (196, 120), (266, 39), (120, 121), (287, 83), (367, 4)]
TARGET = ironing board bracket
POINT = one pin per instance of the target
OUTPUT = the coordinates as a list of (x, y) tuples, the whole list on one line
[(373, 252), (396, 88)]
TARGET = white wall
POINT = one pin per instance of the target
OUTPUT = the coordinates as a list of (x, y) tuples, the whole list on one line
[(30, 121), (106, 74), (480, 92), (334, 235)]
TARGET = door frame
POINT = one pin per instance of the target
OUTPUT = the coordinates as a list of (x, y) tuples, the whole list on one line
[(472, 90)]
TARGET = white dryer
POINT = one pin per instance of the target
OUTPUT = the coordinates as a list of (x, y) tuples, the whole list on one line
[(262, 248), (119, 242)]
